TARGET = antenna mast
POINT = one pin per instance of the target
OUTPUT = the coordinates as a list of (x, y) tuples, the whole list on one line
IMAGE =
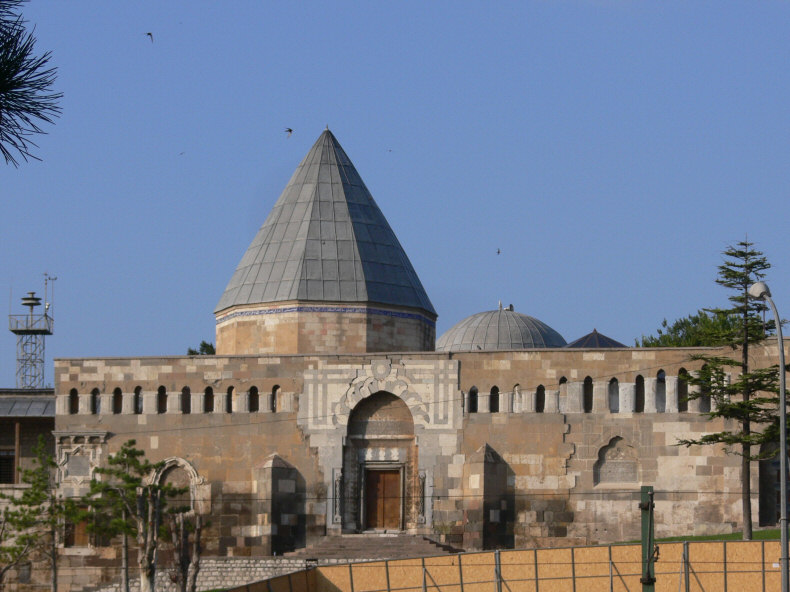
[(30, 330)]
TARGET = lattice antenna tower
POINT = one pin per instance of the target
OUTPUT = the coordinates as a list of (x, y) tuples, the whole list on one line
[(30, 330)]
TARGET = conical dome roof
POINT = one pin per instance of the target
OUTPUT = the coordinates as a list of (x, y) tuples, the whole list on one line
[(595, 340), (325, 240), (503, 329)]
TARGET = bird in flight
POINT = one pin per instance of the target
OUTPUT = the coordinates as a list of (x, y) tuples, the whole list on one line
[(150, 36), (289, 131)]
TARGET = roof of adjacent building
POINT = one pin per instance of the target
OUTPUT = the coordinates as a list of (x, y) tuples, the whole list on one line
[(325, 240), (502, 329), (595, 340), (27, 403)]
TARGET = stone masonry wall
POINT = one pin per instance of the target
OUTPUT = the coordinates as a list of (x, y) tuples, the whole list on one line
[(301, 328)]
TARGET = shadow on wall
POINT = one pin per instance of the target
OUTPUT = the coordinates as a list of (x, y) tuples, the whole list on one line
[(489, 501), (282, 497), (499, 502)]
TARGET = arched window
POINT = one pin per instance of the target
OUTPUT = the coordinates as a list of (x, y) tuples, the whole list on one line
[(587, 395), (661, 392), (273, 398), (186, 400), (254, 402), (208, 400), (639, 395), (161, 400), (473, 400), (117, 401), (229, 400), (683, 390), (614, 396), (74, 402), (95, 402), (493, 400), (138, 400), (540, 399), (704, 398)]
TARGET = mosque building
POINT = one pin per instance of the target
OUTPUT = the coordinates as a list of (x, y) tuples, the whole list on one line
[(331, 407)]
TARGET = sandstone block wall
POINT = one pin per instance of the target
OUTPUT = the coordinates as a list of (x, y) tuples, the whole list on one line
[(562, 473), (301, 328)]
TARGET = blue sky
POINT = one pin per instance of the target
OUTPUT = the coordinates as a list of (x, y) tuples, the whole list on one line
[(610, 149)]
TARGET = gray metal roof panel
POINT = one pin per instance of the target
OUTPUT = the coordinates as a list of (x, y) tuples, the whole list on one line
[(502, 329), (322, 228), (27, 406)]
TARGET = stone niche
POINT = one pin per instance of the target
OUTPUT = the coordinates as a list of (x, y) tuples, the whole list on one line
[(617, 463)]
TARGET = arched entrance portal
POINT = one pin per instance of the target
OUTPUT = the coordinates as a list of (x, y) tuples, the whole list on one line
[(379, 465)]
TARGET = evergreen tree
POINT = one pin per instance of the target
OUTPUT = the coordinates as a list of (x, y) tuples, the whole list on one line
[(26, 96), (186, 552), (32, 518), (748, 400), (697, 330), (128, 501), (50, 508), (205, 349)]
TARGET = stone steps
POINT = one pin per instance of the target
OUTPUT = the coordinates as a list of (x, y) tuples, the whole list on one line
[(355, 547)]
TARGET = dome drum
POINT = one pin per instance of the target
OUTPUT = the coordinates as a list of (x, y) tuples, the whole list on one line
[(326, 328)]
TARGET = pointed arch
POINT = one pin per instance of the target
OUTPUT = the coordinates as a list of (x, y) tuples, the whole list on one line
[(614, 395), (117, 401), (683, 390), (661, 392), (540, 399), (587, 395), (208, 400), (137, 402), (161, 400), (639, 394), (493, 400), (74, 402), (229, 400), (186, 400), (253, 400), (273, 398), (473, 400), (704, 396), (95, 402)]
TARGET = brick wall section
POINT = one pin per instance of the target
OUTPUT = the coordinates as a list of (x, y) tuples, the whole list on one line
[(221, 572)]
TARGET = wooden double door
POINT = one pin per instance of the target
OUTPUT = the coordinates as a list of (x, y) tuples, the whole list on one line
[(383, 499)]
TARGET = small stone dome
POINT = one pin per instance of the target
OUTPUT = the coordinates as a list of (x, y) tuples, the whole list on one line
[(503, 329)]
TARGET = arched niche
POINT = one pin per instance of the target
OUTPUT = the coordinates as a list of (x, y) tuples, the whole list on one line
[(180, 473), (380, 478), (617, 463), (381, 414)]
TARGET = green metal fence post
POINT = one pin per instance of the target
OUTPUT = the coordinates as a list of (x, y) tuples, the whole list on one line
[(649, 548), (498, 571)]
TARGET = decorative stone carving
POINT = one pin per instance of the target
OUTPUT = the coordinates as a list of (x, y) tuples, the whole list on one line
[(77, 454), (421, 498), (337, 492)]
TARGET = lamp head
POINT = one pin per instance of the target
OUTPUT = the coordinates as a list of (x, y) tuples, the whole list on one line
[(759, 291)]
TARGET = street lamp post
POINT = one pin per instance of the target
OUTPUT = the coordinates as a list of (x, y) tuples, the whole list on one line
[(760, 291)]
